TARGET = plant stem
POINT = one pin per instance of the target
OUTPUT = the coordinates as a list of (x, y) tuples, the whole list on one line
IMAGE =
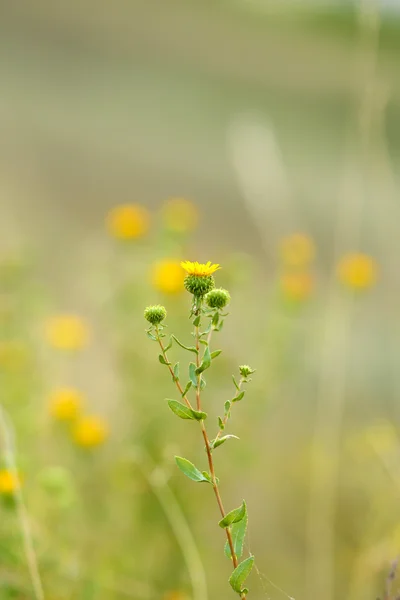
[(178, 385), (226, 417)]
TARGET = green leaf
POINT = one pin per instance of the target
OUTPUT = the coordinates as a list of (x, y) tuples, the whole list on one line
[(227, 406), (202, 383), (184, 412), (196, 321), (205, 363), (215, 319), (221, 440), (190, 348), (162, 360), (240, 574), (187, 388), (221, 424), (207, 476), (234, 516), (235, 383), (169, 344), (220, 326), (192, 374), (238, 533), (151, 336), (215, 353), (190, 470), (204, 342), (239, 396), (176, 372)]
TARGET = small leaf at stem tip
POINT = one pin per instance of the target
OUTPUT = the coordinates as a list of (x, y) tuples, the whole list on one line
[(215, 353), (176, 372), (162, 360), (227, 406), (190, 470), (239, 396), (235, 383), (151, 336), (221, 424), (238, 533), (187, 388), (205, 363), (234, 516), (222, 440), (196, 321), (190, 348), (240, 574), (192, 374)]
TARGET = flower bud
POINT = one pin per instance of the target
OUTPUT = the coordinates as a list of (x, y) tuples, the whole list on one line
[(245, 370), (218, 298), (199, 286), (155, 314)]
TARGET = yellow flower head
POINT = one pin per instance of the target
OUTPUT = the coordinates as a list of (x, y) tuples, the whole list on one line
[(65, 404), (180, 215), (175, 595), (167, 276), (357, 271), (90, 431), (9, 482), (128, 221), (296, 286), (199, 269), (297, 250), (66, 332), (13, 355)]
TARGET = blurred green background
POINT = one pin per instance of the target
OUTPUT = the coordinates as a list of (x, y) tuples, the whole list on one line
[(272, 119)]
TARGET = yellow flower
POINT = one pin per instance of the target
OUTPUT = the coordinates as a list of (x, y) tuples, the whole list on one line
[(65, 404), (199, 269), (13, 355), (66, 332), (128, 221), (175, 595), (180, 215), (297, 250), (297, 285), (167, 276), (90, 431), (358, 271), (9, 482)]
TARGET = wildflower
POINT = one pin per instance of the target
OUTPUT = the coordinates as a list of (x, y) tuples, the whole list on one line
[(155, 314), (175, 595), (297, 250), (245, 370), (65, 404), (128, 221), (167, 276), (9, 482), (296, 285), (357, 271), (13, 355), (218, 298), (66, 332), (180, 215), (199, 279), (90, 431)]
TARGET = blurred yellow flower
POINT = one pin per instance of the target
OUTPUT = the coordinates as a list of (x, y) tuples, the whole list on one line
[(128, 221), (297, 250), (199, 269), (65, 404), (175, 595), (167, 276), (180, 215), (358, 271), (66, 332), (296, 286), (9, 482), (90, 431), (13, 355)]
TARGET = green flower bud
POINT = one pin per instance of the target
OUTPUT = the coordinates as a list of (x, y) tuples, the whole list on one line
[(199, 285), (218, 298), (245, 370), (155, 314)]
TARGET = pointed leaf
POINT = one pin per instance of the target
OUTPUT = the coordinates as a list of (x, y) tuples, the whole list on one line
[(239, 396), (199, 415), (196, 321), (181, 410), (235, 383), (192, 374), (241, 573), (222, 440), (238, 533), (176, 372), (190, 348), (151, 336), (190, 470), (169, 344), (215, 353), (234, 516), (202, 383), (162, 360), (187, 388), (227, 406), (215, 319), (221, 424), (206, 362)]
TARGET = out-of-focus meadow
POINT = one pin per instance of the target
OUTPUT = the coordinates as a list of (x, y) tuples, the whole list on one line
[(264, 137)]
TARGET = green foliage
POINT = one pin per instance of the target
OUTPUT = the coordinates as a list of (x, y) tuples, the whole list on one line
[(187, 388), (238, 533), (221, 440), (192, 374), (162, 360), (205, 363), (176, 372), (184, 412), (189, 348), (240, 575), (239, 396), (190, 470), (234, 516)]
